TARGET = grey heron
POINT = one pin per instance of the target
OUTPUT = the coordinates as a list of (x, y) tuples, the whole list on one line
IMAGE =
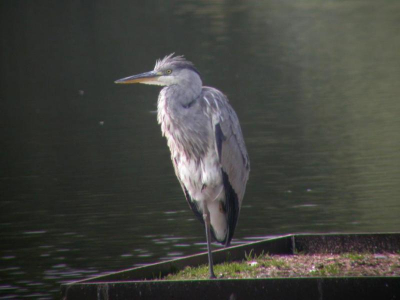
[(206, 143)]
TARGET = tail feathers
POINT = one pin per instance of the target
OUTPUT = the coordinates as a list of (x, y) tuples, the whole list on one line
[(224, 216)]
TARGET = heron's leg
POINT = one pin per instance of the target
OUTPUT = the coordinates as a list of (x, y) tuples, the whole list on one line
[(206, 217)]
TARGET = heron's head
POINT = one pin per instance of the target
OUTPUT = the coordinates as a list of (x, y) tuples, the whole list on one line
[(171, 70)]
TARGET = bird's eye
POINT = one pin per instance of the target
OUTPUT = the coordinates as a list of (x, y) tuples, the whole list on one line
[(169, 71)]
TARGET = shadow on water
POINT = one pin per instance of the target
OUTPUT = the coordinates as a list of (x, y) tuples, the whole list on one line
[(86, 181)]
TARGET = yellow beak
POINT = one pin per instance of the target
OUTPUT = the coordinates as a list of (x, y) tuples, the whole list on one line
[(140, 78)]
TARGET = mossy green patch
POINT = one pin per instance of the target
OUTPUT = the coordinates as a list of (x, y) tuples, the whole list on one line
[(303, 265)]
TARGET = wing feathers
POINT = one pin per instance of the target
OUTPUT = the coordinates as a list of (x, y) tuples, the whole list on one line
[(232, 208), (229, 141), (233, 159), (219, 139)]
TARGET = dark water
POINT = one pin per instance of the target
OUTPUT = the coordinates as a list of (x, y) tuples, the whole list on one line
[(86, 183)]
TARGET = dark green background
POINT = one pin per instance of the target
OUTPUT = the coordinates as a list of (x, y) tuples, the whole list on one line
[(86, 182)]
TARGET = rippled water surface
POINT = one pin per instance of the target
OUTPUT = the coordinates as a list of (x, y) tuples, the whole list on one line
[(86, 182)]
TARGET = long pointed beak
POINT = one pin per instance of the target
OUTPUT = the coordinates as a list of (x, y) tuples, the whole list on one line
[(140, 78)]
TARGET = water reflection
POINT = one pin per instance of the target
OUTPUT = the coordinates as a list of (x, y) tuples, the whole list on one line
[(86, 182)]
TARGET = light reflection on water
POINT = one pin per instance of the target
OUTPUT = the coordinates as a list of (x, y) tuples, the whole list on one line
[(86, 180)]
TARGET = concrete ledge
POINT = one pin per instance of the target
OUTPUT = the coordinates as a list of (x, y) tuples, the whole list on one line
[(136, 283)]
